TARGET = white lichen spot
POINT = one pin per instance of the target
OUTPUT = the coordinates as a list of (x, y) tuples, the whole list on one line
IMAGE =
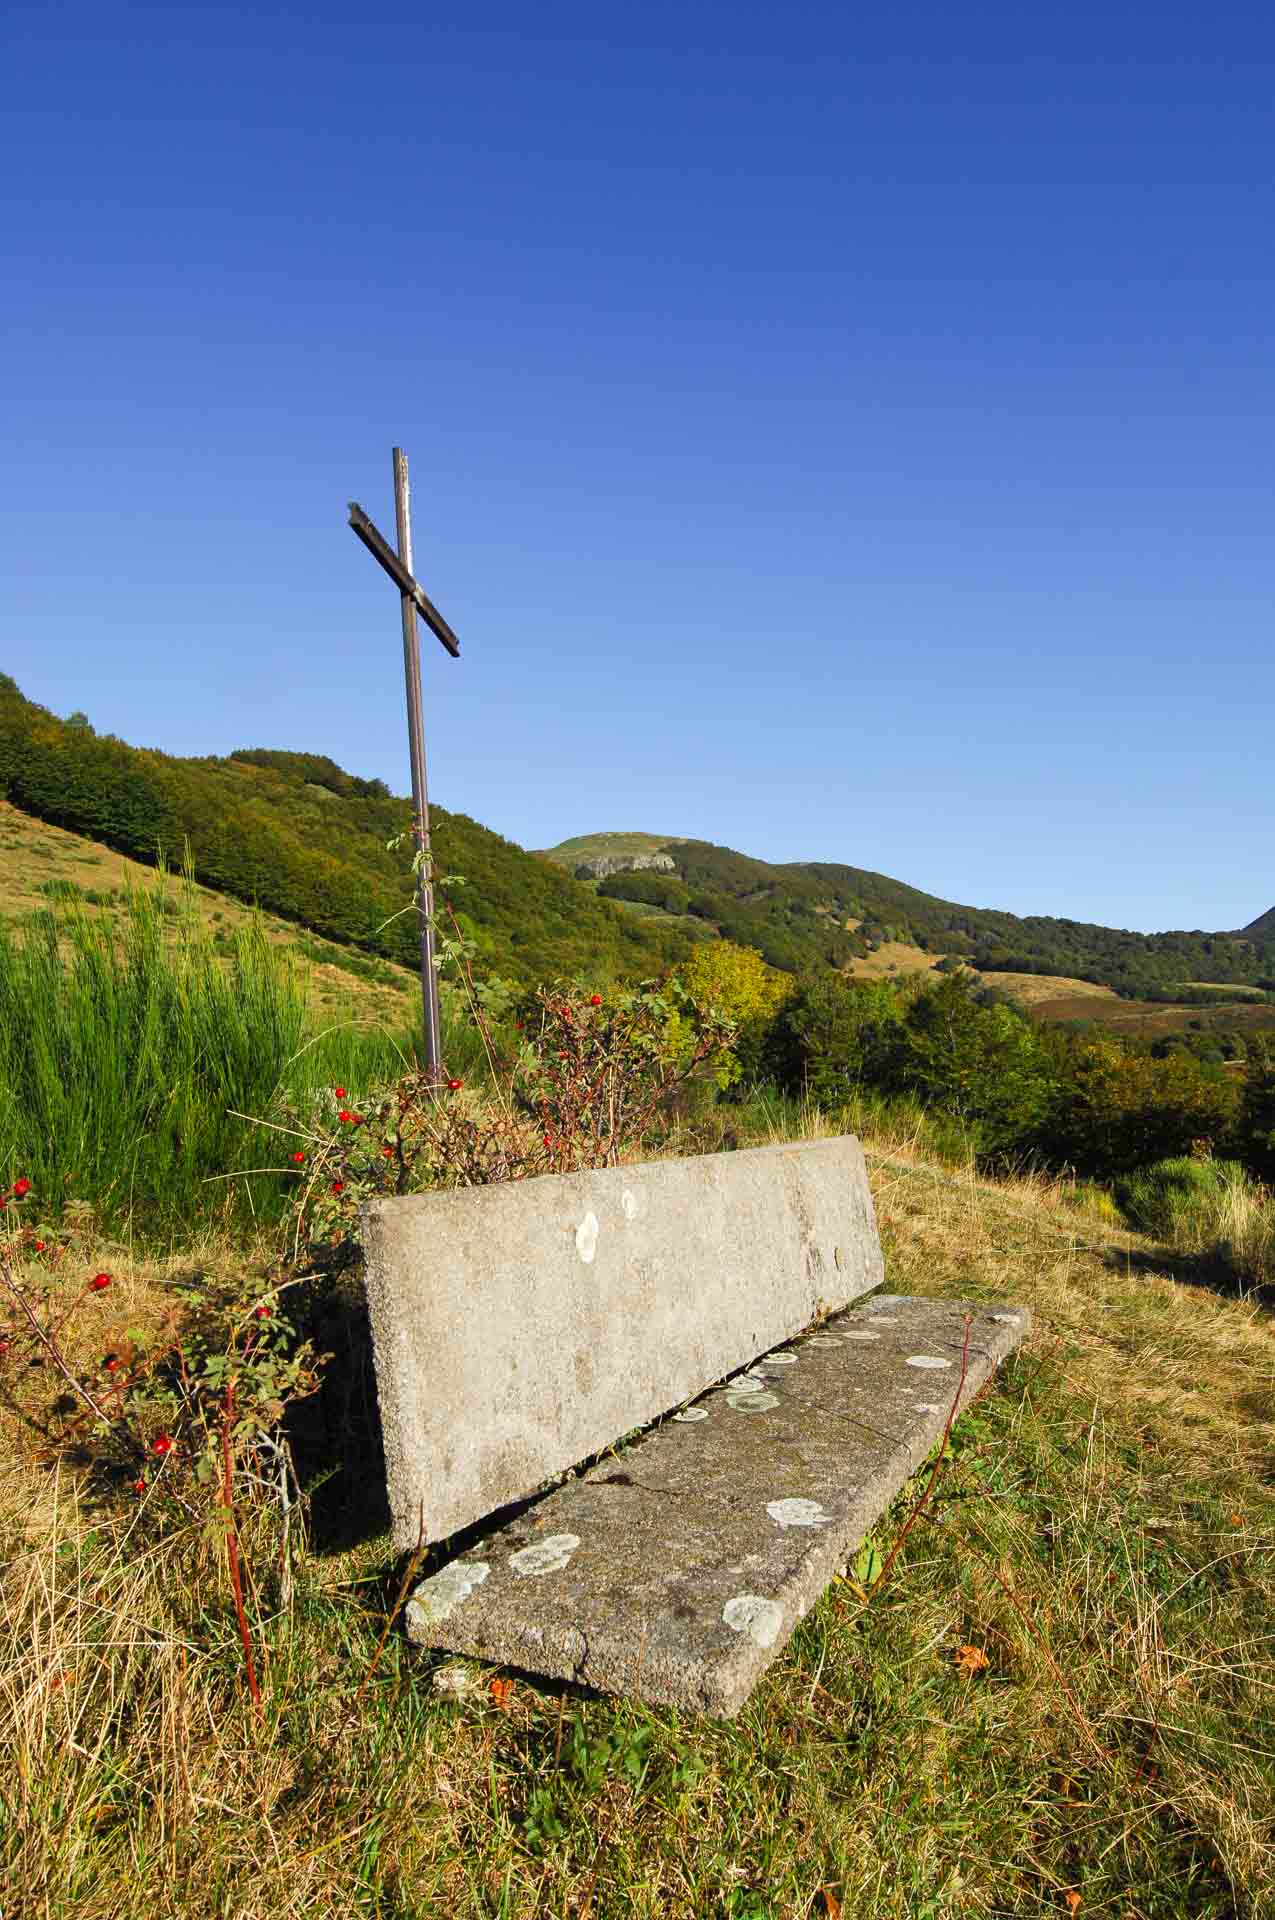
[(692, 1413), (587, 1237), (546, 1556), (882, 1320), (797, 1513), (443, 1592), (863, 1336), (750, 1614), (1008, 1319), (749, 1379), (928, 1362), (824, 1340), (928, 1406), (778, 1360), (752, 1402), (629, 1202)]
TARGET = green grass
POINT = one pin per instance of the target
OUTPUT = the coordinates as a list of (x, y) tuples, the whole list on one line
[(136, 1052), (1210, 1208)]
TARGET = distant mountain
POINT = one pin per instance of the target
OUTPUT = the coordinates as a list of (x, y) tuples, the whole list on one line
[(1263, 928), (305, 840), (809, 913)]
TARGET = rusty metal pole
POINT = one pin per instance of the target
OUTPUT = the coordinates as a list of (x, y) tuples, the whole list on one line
[(420, 787)]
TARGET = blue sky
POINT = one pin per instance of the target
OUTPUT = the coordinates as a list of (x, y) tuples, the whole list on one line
[(843, 434)]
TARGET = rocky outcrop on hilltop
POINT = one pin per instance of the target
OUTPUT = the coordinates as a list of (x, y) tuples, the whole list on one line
[(603, 865)]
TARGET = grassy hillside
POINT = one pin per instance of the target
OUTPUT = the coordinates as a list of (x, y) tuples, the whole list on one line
[(1058, 1703), (307, 841), (44, 866)]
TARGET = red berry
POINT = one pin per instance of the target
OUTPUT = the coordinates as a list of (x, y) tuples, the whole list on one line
[(39, 1246), (261, 1313), (21, 1187), (338, 1186), (100, 1282), (596, 1000), (339, 1093), (4, 1348), (455, 1085), (139, 1486), (562, 1053), (111, 1362), (298, 1157), (162, 1443), (388, 1152), (548, 1139)]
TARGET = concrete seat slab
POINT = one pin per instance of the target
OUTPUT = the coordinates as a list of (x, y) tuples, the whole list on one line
[(676, 1568)]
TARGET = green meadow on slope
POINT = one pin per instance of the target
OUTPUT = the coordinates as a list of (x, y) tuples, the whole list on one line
[(307, 842)]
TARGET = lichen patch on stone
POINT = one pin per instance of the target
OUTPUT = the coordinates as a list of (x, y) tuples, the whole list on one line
[(546, 1556), (692, 1413), (587, 1237), (928, 1361), (438, 1596), (754, 1616), (752, 1402), (797, 1513)]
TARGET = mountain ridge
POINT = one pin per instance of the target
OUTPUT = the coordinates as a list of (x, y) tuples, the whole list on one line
[(786, 909)]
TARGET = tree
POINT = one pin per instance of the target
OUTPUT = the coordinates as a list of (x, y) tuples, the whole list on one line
[(834, 1037), (1255, 1127), (981, 1063), (736, 981)]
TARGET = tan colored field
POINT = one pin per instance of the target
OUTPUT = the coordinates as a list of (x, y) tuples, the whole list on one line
[(891, 957), (1032, 989), (37, 860)]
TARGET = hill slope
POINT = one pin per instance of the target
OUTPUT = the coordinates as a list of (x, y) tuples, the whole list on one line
[(803, 913), (306, 841)]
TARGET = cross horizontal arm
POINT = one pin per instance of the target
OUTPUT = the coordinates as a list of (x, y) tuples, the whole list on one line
[(381, 550)]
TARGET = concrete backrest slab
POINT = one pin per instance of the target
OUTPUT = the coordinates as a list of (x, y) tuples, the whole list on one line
[(522, 1327)]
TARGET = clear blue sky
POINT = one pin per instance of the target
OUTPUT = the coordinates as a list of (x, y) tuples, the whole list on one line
[(838, 432)]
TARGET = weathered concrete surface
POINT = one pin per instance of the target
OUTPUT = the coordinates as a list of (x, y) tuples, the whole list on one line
[(677, 1568), (520, 1328)]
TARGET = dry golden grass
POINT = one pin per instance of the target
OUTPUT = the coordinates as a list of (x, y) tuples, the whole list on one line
[(1032, 989), (1103, 1537)]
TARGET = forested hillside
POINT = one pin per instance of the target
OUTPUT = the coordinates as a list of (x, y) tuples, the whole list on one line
[(307, 841), (796, 914)]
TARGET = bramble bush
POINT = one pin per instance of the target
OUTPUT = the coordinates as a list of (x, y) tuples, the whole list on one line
[(592, 1081), (179, 1417)]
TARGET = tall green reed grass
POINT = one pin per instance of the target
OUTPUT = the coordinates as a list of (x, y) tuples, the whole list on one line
[(136, 1056)]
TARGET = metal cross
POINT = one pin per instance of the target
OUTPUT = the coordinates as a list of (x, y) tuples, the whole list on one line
[(414, 601)]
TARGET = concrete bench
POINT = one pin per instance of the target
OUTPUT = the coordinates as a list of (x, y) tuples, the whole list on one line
[(522, 1329)]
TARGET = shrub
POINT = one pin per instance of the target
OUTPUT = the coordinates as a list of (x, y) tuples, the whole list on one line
[(1207, 1207)]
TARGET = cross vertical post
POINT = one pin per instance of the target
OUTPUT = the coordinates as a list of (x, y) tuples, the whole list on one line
[(420, 784), (415, 601)]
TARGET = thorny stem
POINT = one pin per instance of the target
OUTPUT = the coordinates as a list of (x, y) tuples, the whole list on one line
[(232, 1543)]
